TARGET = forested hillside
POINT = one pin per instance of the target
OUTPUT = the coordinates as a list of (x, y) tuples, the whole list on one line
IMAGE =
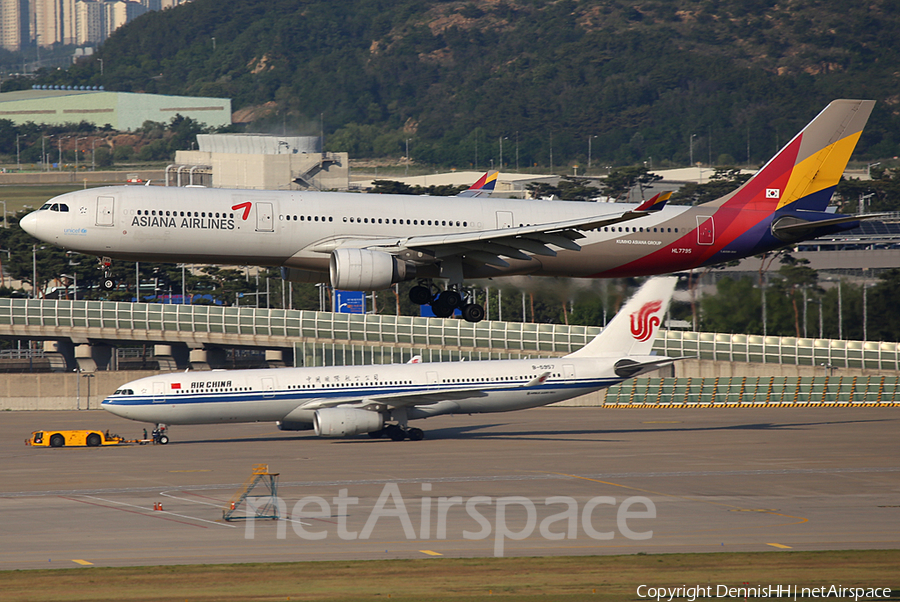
[(644, 81)]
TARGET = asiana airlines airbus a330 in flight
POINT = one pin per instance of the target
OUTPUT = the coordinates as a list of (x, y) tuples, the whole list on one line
[(368, 242)]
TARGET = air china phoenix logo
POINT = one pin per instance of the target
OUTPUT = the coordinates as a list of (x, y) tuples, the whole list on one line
[(643, 321)]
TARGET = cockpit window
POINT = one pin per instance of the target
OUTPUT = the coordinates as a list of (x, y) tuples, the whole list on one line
[(45, 206), (63, 207)]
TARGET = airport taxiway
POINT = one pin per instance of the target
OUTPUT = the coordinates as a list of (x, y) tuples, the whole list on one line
[(551, 481)]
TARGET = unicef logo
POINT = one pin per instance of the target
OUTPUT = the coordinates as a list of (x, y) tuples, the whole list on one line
[(75, 231)]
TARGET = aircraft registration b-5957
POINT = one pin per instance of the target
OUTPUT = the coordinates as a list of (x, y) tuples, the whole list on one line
[(342, 401), (369, 242)]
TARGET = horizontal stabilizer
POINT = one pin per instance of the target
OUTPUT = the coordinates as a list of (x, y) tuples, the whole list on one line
[(792, 227), (627, 368)]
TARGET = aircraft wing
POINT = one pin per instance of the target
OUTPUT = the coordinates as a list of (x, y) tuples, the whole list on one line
[(490, 246), (414, 398)]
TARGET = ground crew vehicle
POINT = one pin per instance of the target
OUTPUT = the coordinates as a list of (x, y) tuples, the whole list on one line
[(89, 438)]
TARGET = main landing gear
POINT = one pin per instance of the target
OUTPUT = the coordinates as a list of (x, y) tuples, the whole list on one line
[(444, 303), (107, 283), (399, 433)]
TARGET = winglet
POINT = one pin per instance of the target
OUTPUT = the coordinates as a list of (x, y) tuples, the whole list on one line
[(483, 187), (655, 203)]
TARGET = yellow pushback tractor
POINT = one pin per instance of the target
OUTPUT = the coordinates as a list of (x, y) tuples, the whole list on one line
[(79, 438)]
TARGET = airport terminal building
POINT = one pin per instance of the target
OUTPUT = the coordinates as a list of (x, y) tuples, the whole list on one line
[(124, 111)]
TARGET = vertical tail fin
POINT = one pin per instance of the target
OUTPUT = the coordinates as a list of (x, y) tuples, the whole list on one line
[(633, 330), (483, 187), (804, 173)]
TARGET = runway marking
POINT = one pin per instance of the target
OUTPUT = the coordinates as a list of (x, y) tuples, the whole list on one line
[(155, 512), (778, 545), (430, 553), (147, 513), (83, 562), (174, 497)]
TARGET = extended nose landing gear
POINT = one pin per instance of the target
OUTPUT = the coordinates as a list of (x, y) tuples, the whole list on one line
[(444, 303), (107, 283)]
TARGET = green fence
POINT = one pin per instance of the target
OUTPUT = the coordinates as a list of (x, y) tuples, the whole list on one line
[(756, 391)]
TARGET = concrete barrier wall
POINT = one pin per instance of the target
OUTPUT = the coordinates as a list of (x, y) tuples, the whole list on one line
[(61, 391)]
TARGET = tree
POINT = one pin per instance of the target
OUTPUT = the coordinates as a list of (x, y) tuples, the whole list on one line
[(620, 181), (723, 181)]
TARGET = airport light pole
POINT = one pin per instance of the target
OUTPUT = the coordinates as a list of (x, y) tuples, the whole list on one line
[(18, 162), (407, 156), (868, 169), (590, 138), (692, 149), (76, 150), (88, 377)]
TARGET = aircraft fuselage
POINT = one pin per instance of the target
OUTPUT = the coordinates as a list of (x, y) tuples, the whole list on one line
[(298, 229)]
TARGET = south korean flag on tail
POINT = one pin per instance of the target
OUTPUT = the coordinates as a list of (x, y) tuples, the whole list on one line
[(773, 193)]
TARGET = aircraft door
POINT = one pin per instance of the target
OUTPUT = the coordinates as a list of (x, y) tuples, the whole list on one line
[(105, 210), (432, 378), (268, 387), (705, 230), (504, 219), (159, 392), (264, 221), (569, 370)]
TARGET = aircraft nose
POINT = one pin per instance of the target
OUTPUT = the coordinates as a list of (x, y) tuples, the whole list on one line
[(29, 223)]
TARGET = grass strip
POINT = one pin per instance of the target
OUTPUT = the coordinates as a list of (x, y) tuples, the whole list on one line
[(568, 578)]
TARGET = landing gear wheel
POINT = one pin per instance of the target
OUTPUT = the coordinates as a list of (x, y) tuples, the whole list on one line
[(473, 312), (451, 298), (441, 308), (420, 295), (57, 440), (107, 283), (163, 439), (93, 440), (415, 434), (396, 433)]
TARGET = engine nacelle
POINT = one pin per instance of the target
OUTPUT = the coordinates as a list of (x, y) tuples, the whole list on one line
[(367, 270), (346, 422)]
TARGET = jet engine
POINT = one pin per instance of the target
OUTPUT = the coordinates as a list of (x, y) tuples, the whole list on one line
[(367, 270), (346, 422)]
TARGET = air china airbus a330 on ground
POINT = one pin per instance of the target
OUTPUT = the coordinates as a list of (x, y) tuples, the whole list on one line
[(343, 401), (369, 242)]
